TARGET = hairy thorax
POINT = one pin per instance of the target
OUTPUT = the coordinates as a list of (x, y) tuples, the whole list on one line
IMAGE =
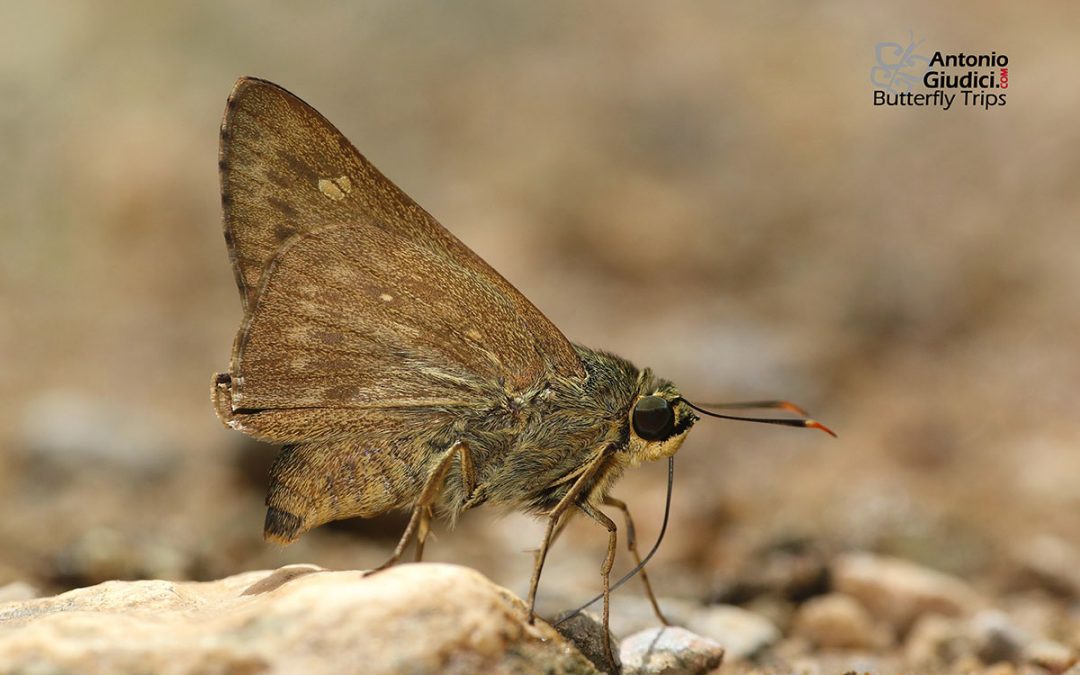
[(528, 453)]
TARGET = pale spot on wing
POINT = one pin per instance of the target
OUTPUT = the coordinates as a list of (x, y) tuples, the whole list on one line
[(344, 183), (386, 297), (473, 334), (330, 189)]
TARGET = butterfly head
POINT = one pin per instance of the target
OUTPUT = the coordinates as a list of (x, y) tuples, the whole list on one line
[(659, 420)]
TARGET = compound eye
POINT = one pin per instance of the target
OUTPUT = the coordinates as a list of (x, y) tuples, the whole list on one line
[(654, 419)]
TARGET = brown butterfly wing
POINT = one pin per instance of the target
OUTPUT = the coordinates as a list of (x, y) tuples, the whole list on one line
[(319, 239), (353, 315)]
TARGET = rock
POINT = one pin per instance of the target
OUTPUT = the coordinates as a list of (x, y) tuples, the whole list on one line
[(1050, 563), (936, 642), (298, 619), (898, 591), (669, 650), (997, 639), (586, 631), (741, 633), (838, 621), (1052, 656)]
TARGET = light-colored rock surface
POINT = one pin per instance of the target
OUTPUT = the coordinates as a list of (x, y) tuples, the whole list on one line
[(740, 632), (838, 621), (899, 591), (298, 619), (669, 650)]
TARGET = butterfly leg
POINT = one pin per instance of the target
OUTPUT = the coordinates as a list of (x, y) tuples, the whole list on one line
[(468, 487), (631, 543), (605, 572), (563, 520), (419, 522), (422, 532), (554, 516)]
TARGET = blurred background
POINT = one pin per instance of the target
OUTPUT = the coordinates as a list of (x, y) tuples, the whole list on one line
[(703, 189)]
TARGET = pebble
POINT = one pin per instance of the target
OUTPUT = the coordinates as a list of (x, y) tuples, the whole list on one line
[(1051, 563), (1052, 656), (898, 591), (586, 631), (996, 638), (838, 621), (936, 641), (669, 650), (741, 633)]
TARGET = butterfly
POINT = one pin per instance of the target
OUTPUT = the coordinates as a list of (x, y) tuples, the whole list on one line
[(396, 367)]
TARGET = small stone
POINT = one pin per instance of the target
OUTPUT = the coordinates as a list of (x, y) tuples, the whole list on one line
[(1052, 656), (838, 621), (669, 650), (997, 639), (936, 641), (586, 631), (741, 633), (898, 591), (777, 610), (1051, 563)]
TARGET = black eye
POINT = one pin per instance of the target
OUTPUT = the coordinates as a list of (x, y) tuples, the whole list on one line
[(654, 420)]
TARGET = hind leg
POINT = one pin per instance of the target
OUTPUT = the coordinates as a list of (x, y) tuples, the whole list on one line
[(605, 573), (631, 543), (420, 520), (568, 501)]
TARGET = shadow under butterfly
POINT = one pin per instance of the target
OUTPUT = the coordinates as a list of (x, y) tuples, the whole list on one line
[(398, 369)]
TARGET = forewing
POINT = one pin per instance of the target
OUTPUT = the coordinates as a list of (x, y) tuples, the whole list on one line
[(304, 207), (353, 315)]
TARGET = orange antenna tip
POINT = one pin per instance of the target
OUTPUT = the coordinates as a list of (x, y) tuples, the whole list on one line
[(814, 424), (791, 407)]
